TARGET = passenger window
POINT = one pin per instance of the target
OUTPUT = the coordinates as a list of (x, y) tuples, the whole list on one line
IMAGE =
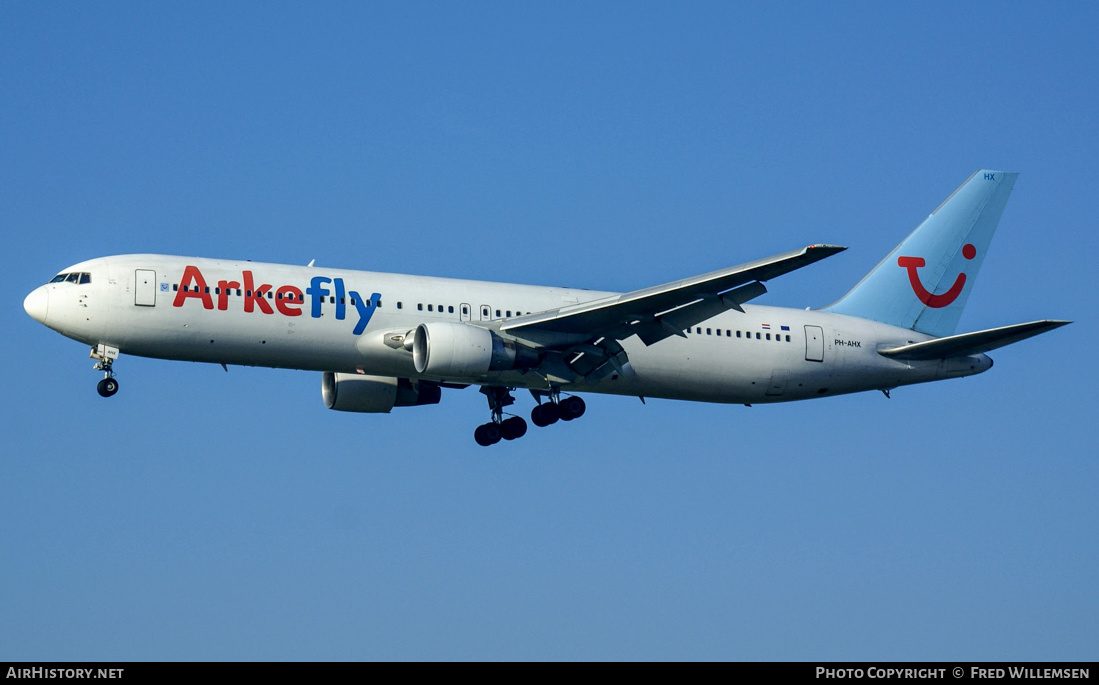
[(497, 313), (708, 332), (768, 336), (787, 338), (509, 313), (757, 335), (699, 330), (450, 309), (429, 308), (419, 306)]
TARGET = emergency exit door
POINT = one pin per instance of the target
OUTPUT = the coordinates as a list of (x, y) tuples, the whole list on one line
[(814, 344), (145, 288)]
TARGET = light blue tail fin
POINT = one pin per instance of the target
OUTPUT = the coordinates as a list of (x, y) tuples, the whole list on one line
[(924, 283)]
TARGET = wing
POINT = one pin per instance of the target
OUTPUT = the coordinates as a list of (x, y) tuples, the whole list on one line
[(719, 290), (587, 333)]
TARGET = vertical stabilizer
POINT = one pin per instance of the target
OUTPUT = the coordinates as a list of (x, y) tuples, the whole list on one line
[(924, 283)]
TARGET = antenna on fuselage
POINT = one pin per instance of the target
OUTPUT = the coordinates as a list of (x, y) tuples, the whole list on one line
[(311, 262)]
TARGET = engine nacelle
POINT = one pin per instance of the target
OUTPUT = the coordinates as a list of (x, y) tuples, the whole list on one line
[(375, 394), (446, 349)]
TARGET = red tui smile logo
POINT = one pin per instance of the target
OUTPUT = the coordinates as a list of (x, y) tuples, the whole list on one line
[(935, 301)]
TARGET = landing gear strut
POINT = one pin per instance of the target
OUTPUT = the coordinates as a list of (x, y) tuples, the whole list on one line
[(106, 356)]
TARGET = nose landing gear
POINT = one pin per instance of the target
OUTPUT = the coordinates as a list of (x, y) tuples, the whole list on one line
[(106, 356)]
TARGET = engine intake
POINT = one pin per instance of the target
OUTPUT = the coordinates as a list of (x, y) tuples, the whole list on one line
[(445, 349), (375, 394)]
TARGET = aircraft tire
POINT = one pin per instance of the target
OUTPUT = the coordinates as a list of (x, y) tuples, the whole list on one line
[(487, 434), (107, 387), (513, 428), (572, 408), (544, 415)]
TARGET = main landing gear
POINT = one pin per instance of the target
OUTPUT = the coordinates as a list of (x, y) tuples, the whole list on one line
[(106, 356), (560, 409), (499, 427), (544, 414)]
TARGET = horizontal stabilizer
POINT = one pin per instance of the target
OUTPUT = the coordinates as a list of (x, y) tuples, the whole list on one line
[(971, 343)]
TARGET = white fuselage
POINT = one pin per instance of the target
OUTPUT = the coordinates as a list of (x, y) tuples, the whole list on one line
[(324, 319)]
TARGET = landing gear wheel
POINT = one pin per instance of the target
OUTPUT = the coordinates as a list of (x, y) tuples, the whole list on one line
[(571, 408), (513, 428), (107, 387), (487, 434), (545, 414)]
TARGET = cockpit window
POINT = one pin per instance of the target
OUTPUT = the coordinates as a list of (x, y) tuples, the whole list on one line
[(75, 277)]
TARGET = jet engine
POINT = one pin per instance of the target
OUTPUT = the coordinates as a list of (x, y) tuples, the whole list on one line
[(445, 349), (375, 394)]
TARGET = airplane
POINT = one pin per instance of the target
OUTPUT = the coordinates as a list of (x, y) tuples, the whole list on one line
[(389, 340)]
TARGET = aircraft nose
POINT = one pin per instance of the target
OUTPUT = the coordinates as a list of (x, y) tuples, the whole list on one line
[(37, 304)]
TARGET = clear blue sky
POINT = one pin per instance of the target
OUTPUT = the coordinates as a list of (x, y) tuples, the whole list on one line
[(209, 515)]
